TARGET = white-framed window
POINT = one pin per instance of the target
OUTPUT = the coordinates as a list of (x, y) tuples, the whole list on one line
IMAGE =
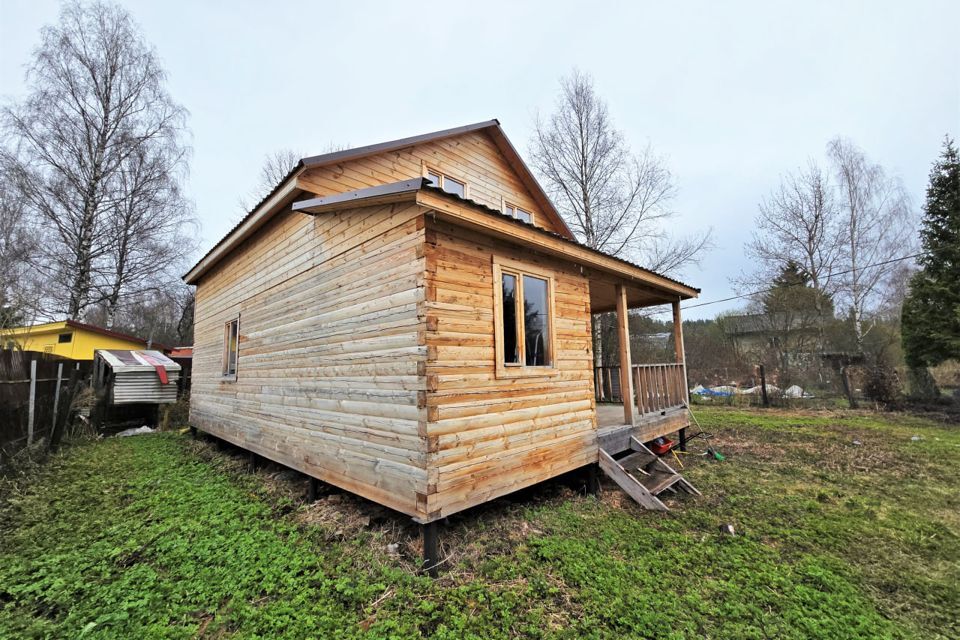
[(231, 347), (523, 319), (445, 182), (516, 212)]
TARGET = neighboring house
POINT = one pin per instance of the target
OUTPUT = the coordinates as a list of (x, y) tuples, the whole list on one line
[(70, 339), (411, 321), (794, 336)]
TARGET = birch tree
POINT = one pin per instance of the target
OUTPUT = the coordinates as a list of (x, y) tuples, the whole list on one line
[(613, 199), (148, 231), (17, 246), (97, 98), (877, 227)]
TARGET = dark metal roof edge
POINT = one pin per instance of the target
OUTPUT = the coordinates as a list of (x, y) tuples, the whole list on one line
[(392, 188), (246, 217), (405, 186), (390, 145)]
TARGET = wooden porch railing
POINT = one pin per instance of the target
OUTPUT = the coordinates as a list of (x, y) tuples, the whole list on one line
[(657, 387)]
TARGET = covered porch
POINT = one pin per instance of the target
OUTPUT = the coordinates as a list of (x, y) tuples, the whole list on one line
[(642, 400)]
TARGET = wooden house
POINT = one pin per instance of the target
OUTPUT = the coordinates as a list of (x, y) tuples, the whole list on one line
[(411, 321)]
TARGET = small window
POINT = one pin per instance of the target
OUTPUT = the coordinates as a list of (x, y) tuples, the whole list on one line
[(455, 187), (65, 337), (445, 182), (516, 212), (524, 318), (231, 347)]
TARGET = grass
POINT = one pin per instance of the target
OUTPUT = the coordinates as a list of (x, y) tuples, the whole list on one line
[(163, 537)]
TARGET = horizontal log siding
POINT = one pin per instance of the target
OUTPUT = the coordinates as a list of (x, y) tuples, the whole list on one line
[(472, 157), (489, 436), (331, 368)]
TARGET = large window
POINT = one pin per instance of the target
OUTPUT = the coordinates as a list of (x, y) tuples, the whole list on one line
[(231, 347), (524, 319), (445, 182)]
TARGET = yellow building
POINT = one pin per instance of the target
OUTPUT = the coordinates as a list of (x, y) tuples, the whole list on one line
[(69, 339)]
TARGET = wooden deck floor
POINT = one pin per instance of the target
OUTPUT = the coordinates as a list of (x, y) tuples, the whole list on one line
[(609, 415), (614, 434)]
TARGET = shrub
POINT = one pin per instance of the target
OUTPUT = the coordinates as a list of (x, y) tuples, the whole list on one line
[(882, 385)]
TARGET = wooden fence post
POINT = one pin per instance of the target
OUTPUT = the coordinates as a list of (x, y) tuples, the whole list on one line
[(33, 401), (60, 422), (56, 398), (763, 387), (847, 387)]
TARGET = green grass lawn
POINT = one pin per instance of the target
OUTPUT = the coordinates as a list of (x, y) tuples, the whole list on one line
[(161, 536)]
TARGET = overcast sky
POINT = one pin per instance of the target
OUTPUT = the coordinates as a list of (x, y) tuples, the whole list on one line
[(734, 94)]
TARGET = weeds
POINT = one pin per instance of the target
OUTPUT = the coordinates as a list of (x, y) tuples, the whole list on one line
[(163, 536)]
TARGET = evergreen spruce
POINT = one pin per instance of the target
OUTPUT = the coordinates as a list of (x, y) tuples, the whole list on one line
[(931, 312)]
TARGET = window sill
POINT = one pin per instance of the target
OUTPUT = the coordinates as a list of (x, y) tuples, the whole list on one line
[(526, 372), (232, 378)]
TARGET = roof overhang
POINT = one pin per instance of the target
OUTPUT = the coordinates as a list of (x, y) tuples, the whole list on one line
[(469, 214), (285, 192)]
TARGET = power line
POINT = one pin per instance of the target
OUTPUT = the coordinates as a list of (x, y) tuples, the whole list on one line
[(828, 275)]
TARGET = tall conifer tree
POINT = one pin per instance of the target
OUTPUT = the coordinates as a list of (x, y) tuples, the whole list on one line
[(931, 312)]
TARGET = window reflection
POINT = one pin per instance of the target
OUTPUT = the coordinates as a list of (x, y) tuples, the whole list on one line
[(455, 187), (511, 353), (535, 321)]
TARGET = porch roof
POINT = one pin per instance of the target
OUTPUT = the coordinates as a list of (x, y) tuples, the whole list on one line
[(644, 287)]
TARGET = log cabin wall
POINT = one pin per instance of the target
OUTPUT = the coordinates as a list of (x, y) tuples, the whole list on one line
[(471, 157), (489, 436), (330, 376)]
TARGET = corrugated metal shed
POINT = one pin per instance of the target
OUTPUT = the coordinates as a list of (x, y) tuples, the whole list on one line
[(134, 377)]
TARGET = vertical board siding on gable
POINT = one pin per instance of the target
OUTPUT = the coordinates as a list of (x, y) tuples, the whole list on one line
[(490, 436), (330, 375), (472, 157)]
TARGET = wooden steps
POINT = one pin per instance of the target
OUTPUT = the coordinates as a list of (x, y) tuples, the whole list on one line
[(644, 476)]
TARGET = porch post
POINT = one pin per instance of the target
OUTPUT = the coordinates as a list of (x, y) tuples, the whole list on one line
[(681, 359), (626, 379), (678, 334)]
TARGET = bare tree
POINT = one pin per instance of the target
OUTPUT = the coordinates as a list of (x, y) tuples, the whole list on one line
[(17, 246), (877, 226), (614, 200), (798, 228), (147, 231), (276, 167), (97, 99), (798, 222)]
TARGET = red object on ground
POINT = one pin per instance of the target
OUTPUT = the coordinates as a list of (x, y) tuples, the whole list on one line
[(661, 446)]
